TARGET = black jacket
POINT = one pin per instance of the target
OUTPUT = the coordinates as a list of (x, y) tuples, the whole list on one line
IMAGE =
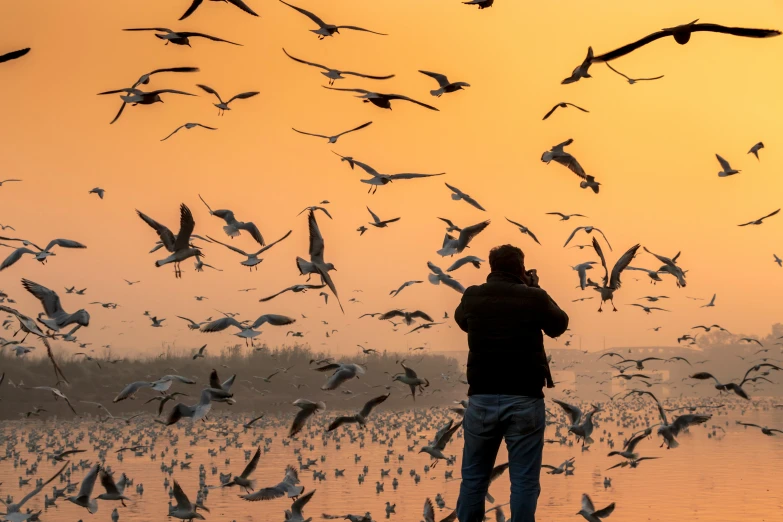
[(504, 319)]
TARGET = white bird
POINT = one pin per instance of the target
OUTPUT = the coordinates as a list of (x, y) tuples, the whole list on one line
[(611, 284), (711, 303), (755, 149), (233, 227), (161, 385), (200, 352), (246, 330), (56, 317), (179, 37), (325, 29), (524, 230), (99, 191), (13, 510), (252, 260), (288, 486), (459, 195), (82, 498), (564, 217), (332, 139), (342, 373), (361, 417), (306, 410), (157, 323), (185, 509), (727, 170), (242, 480), (453, 245), (223, 105), (582, 269), (632, 80), (41, 255), (179, 246), (408, 317), (317, 264), (472, 260), (562, 105), (380, 99), (438, 276), (377, 222), (559, 155), (591, 514), (336, 74), (670, 267), (403, 286), (444, 85), (296, 289), (199, 410), (187, 126), (580, 71), (588, 230)]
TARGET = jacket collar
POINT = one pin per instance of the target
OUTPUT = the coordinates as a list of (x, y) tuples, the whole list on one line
[(504, 277)]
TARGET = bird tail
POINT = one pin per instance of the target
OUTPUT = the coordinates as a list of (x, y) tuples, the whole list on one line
[(231, 230), (438, 92), (673, 443), (589, 440)]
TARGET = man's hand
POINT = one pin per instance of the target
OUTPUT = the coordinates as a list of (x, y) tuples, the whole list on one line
[(530, 278)]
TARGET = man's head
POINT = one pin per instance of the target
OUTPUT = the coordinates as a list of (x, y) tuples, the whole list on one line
[(507, 258)]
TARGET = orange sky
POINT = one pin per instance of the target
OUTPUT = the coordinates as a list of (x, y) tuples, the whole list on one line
[(651, 145)]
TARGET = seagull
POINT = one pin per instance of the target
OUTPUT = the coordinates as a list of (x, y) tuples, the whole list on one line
[(252, 260), (727, 170), (711, 303), (179, 37), (588, 230), (157, 323), (444, 85), (377, 222), (337, 74), (136, 96), (453, 245), (97, 190), (307, 409), (760, 220), (41, 255), (288, 486), (649, 309), (451, 226), (82, 498), (13, 55), (144, 79), (332, 139), (342, 373), (13, 513), (242, 480), (406, 284), (459, 195), (246, 330), (295, 289), (472, 260), (557, 154), (765, 430), (379, 99), (410, 378), (29, 326), (564, 217), (325, 29), (57, 394), (200, 352), (612, 284), (361, 417), (179, 246), (632, 81), (524, 230), (56, 317), (233, 227), (161, 385), (682, 34), (187, 126), (777, 260), (361, 230), (756, 148), (582, 269), (580, 71), (581, 424), (482, 4), (238, 3), (185, 509), (729, 386), (8, 181), (317, 264), (317, 207), (199, 410), (379, 179), (670, 267), (438, 276), (591, 514), (408, 317), (562, 105), (442, 437), (223, 106)]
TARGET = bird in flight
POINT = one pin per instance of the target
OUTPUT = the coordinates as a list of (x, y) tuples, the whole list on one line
[(760, 220), (755, 149), (179, 37), (444, 85), (238, 3), (221, 105), (632, 81), (562, 157), (459, 195), (13, 55), (325, 29), (187, 126), (562, 105), (524, 230), (379, 99), (333, 138), (337, 74)]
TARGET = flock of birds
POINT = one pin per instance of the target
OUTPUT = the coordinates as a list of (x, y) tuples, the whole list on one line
[(54, 322)]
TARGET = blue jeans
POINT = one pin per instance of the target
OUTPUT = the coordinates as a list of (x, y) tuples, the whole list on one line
[(488, 420)]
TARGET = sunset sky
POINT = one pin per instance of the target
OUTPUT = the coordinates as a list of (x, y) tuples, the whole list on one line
[(652, 145)]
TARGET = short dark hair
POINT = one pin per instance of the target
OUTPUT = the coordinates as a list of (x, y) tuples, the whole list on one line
[(506, 258)]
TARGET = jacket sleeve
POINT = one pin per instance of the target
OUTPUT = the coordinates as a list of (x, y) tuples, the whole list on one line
[(459, 317), (554, 320)]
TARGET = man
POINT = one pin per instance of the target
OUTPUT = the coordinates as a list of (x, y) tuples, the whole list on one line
[(507, 370)]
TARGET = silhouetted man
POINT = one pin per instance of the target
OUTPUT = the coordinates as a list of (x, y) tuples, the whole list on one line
[(507, 370)]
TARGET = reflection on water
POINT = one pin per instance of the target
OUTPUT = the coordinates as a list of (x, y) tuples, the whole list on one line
[(713, 475)]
